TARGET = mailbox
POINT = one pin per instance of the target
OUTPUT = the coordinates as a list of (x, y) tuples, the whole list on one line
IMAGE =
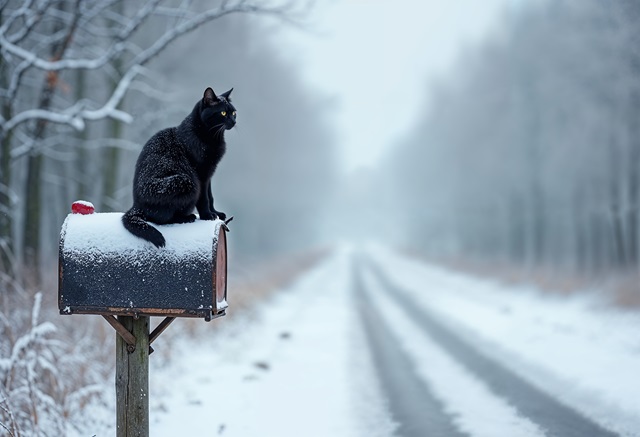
[(105, 270)]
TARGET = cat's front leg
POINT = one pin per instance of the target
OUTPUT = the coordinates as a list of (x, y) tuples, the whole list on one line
[(219, 214), (203, 205), (213, 213), (205, 214)]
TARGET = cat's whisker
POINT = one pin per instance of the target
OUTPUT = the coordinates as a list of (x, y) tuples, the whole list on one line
[(220, 131), (215, 126)]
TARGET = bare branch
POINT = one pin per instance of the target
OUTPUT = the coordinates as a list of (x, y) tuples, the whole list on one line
[(16, 78), (63, 64), (138, 19), (34, 18), (75, 115), (41, 114), (9, 413), (200, 19), (20, 12), (181, 12)]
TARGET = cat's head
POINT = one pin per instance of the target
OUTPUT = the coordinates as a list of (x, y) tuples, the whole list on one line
[(216, 112)]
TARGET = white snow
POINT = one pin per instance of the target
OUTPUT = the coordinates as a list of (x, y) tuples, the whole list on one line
[(285, 373), (85, 203), (295, 366), (299, 364), (104, 233), (577, 348), (476, 410), (220, 305)]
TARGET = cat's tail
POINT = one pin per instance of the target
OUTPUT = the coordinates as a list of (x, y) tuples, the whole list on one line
[(134, 222)]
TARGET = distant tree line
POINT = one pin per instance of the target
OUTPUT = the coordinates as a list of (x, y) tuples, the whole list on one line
[(529, 150)]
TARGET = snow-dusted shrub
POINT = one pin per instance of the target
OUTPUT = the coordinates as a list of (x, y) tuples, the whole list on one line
[(47, 374)]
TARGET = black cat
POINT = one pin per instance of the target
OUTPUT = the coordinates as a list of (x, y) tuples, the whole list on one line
[(174, 169)]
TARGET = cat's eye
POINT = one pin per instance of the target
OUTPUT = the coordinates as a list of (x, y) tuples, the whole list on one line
[(224, 113), (234, 113)]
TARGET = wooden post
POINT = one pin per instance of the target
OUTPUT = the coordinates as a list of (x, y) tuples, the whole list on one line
[(132, 380)]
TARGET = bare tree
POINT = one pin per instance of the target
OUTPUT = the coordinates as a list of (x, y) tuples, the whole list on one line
[(43, 44)]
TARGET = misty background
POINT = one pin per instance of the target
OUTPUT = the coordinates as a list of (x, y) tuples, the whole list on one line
[(504, 132), (500, 136)]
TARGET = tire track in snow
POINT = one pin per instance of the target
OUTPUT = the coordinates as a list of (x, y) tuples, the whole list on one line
[(417, 412), (477, 411), (554, 417)]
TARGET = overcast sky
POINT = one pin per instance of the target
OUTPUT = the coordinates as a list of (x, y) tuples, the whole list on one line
[(377, 57)]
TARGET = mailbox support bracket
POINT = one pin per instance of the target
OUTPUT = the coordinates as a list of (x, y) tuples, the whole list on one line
[(160, 328), (129, 338), (122, 332)]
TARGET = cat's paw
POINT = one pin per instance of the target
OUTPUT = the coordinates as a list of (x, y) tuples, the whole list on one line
[(221, 215), (208, 216)]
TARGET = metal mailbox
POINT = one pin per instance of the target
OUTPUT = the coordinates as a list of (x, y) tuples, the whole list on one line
[(105, 270)]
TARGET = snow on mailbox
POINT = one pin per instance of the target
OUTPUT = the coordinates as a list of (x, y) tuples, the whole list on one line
[(105, 270)]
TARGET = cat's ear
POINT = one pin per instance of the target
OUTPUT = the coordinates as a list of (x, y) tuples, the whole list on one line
[(209, 97), (227, 94)]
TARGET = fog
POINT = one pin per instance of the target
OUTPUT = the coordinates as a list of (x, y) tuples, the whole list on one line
[(501, 136), (377, 59), (503, 132)]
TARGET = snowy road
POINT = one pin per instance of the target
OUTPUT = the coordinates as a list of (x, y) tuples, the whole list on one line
[(372, 343), (412, 404)]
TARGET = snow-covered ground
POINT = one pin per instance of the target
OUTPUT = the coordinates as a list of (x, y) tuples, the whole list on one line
[(577, 348), (295, 366), (291, 369), (299, 364)]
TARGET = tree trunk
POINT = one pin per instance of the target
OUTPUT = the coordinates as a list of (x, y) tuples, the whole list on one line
[(81, 165), (6, 221), (111, 160), (33, 189), (633, 163), (580, 213), (111, 155), (6, 205), (615, 182), (632, 213), (31, 238)]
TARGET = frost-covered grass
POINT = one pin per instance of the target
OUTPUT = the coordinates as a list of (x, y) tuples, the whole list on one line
[(50, 370)]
